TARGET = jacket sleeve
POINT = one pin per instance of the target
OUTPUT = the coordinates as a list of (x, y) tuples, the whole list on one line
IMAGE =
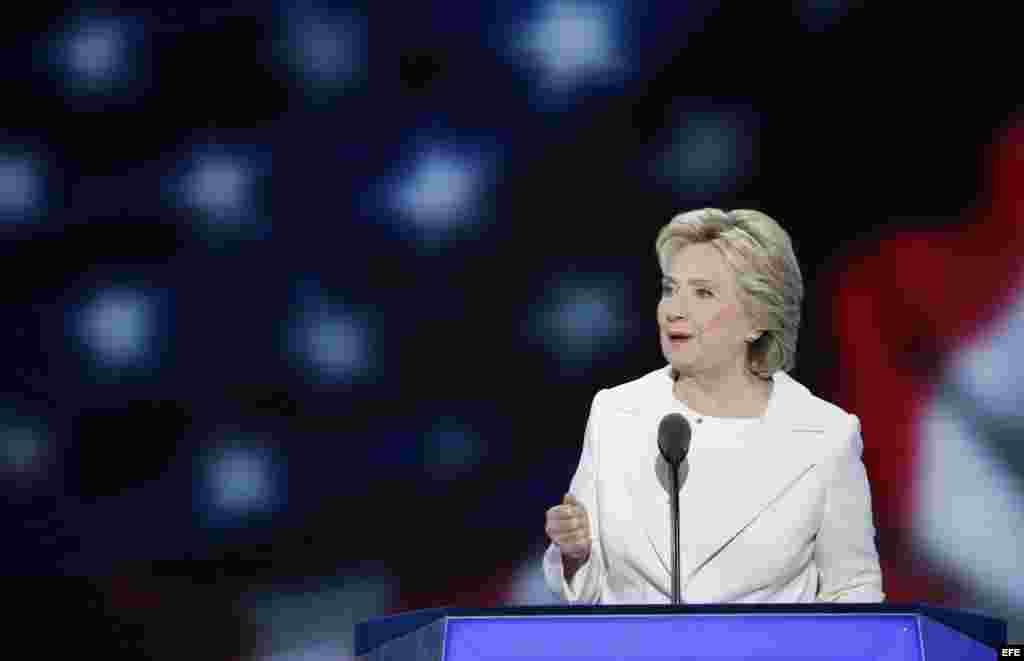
[(845, 551), (585, 587)]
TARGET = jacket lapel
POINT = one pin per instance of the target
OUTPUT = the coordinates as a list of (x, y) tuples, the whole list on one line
[(730, 487), (725, 486), (645, 477)]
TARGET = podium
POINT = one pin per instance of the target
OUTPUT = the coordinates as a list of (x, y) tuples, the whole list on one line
[(846, 632)]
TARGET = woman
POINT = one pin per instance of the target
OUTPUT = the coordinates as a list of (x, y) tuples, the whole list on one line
[(774, 500)]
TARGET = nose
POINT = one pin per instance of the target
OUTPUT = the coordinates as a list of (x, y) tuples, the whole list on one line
[(676, 309), (675, 315)]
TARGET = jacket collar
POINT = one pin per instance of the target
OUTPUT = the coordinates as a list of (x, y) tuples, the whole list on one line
[(790, 403)]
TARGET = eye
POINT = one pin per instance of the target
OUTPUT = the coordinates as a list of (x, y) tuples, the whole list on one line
[(703, 292)]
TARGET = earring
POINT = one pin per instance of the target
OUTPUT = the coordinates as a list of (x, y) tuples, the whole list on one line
[(753, 338)]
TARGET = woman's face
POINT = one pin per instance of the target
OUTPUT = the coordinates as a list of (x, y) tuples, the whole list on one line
[(702, 324)]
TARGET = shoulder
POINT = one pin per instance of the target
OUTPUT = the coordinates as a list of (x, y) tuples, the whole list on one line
[(795, 397), (637, 394), (796, 405)]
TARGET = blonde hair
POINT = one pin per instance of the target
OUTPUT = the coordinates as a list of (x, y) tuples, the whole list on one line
[(761, 255)]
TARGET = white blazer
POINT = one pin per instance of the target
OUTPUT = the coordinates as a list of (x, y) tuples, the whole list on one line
[(781, 514)]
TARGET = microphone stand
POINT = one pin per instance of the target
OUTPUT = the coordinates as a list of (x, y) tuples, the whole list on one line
[(676, 591)]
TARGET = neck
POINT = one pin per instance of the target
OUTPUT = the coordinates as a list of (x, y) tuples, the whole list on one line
[(735, 394)]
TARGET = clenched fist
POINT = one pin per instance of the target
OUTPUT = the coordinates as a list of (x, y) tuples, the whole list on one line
[(568, 526)]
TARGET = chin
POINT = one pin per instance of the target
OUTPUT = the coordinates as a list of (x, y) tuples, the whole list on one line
[(680, 367)]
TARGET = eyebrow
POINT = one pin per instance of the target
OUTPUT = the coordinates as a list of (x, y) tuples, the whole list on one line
[(692, 281)]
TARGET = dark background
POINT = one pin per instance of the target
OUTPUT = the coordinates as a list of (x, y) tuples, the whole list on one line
[(414, 469)]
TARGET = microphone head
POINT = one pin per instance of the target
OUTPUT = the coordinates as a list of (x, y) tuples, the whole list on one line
[(674, 438)]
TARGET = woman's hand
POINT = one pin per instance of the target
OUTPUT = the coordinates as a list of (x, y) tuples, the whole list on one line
[(568, 527)]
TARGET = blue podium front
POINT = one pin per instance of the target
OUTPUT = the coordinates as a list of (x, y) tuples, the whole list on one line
[(849, 632)]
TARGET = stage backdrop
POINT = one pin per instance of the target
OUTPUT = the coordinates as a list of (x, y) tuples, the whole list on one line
[(304, 303)]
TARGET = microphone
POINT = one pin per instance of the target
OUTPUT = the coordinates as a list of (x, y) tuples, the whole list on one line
[(674, 434)]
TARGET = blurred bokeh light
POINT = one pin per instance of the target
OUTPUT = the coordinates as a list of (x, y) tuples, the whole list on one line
[(27, 450), (239, 481), (708, 153), (314, 623), (329, 339), (22, 193), (118, 326), (569, 44), (325, 48), (581, 319)]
